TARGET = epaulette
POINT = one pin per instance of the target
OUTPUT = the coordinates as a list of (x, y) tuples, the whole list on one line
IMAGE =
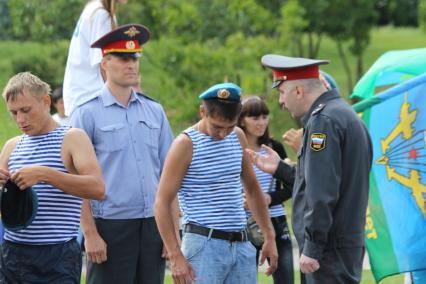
[(145, 96), (318, 109)]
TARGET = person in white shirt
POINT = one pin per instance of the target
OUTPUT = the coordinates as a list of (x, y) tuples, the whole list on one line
[(58, 103), (83, 78)]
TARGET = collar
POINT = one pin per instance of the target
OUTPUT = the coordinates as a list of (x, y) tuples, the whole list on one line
[(108, 99), (320, 102)]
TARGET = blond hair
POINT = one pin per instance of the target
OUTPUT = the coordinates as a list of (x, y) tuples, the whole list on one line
[(25, 82)]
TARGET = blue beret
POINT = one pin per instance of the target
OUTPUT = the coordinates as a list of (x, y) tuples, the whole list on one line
[(330, 80), (18, 207), (224, 91)]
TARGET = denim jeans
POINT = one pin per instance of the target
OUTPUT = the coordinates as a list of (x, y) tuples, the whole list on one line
[(217, 261), (284, 272)]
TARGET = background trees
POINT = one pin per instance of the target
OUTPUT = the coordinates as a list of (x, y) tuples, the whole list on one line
[(196, 43)]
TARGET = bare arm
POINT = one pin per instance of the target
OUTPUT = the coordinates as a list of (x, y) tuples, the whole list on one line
[(84, 178), (258, 207), (96, 248), (4, 159), (177, 162)]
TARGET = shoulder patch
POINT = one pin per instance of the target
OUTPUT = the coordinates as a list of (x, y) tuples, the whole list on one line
[(318, 109), (317, 142), (145, 96)]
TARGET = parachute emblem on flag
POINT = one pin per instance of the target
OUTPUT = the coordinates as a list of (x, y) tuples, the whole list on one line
[(405, 156)]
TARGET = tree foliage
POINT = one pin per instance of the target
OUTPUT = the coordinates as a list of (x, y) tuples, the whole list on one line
[(422, 14), (195, 43), (44, 20), (5, 21)]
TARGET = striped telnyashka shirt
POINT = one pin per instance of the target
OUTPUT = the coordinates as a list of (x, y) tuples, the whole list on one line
[(211, 191), (265, 180), (58, 215)]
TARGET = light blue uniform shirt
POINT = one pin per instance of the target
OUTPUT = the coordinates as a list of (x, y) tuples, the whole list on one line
[(131, 144)]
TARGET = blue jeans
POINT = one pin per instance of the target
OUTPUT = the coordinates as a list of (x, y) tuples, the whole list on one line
[(284, 272), (217, 261)]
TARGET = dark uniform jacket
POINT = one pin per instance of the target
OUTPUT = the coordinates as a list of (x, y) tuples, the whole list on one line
[(331, 179), (283, 188)]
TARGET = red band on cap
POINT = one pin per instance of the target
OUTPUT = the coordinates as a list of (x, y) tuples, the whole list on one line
[(121, 46), (306, 72)]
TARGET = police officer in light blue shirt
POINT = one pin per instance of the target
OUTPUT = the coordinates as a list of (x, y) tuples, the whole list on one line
[(131, 136)]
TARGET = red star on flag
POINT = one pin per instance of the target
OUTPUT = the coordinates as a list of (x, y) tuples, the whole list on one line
[(412, 154)]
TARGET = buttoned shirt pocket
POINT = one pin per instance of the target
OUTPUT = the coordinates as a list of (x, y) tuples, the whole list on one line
[(150, 132), (111, 137)]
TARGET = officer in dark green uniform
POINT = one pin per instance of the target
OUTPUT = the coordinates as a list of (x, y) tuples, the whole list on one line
[(331, 179)]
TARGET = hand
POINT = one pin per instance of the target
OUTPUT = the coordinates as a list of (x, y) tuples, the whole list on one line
[(269, 250), (293, 138), (268, 199), (27, 176), (268, 163), (308, 264), (96, 248), (4, 176), (182, 272)]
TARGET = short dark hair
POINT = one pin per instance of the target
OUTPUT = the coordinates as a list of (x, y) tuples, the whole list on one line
[(226, 109), (255, 106), (56, 95)]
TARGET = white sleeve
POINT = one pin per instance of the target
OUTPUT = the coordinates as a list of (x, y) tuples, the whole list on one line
[(100, 25)]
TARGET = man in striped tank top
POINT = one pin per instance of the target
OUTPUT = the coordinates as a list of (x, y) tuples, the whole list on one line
[(60, 165), (206, 167)]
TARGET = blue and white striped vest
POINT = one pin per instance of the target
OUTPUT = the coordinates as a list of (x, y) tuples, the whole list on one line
[(58, 215), (211, 191)]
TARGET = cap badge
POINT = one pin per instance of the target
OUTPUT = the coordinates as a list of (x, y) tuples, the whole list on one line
[(132, 31), (223, 94), (130, 44)]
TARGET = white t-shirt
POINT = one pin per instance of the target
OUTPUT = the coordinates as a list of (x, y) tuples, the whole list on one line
[(63, 121), (83, 79)]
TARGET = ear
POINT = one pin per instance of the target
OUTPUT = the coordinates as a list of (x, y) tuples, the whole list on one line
[(300, 92), (103, 63), (202, 111), (47, 100)]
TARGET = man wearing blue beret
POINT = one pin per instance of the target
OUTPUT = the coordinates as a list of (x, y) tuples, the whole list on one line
[(207, 167), (131, 136), (331, 178)]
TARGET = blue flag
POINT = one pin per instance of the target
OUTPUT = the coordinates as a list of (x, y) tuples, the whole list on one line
[(396, 217)]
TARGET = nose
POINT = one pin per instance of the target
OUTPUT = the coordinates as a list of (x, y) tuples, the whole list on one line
[(20, 117)]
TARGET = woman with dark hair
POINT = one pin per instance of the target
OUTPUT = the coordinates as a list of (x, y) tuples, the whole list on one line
[(254, 120), (83, 78)]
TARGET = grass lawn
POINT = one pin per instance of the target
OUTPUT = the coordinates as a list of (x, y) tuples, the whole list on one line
[(367, 278)]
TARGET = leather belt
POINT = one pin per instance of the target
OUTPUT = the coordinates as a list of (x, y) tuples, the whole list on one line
[(216, 234)]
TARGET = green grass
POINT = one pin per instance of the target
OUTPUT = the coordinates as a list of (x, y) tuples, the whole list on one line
[(367, 278)]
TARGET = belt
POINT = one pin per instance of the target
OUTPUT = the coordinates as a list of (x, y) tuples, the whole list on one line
[(216, 234)]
